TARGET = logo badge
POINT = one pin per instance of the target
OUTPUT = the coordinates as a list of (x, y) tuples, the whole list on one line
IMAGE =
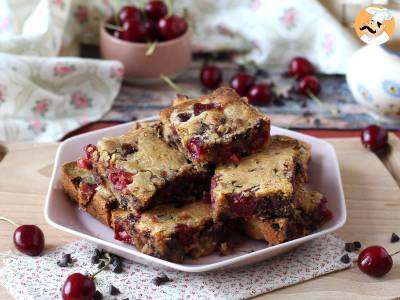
[(374, 25)]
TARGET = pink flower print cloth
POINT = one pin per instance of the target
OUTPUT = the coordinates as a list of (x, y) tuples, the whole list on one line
[(40, 278)]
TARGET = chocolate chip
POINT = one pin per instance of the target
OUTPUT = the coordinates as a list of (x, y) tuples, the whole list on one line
[(357, 245), (394, 238), (101, 264), (65, 261), (127, 149), (349, 247), (183, 117), (161, 279), (118, 269), (345, 259), (98, 252), (317, 122), (95, 259), (97, 295), (114, 291), (275, 226), (116, 260)]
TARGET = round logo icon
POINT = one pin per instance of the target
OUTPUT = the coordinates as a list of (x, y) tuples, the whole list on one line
[(374, 25)]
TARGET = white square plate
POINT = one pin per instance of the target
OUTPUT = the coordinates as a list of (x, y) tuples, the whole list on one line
[(61, 213)]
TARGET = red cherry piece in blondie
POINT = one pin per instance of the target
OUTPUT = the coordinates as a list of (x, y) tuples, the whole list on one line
[(324, 211), (84, 163), (198, 108), (243, 206), (120, 233), (89, 149), (185, 233), (120, 179), (196, 149)]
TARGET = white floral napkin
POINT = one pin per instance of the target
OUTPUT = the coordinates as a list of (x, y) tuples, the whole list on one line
[(40, 278), (42, 99)]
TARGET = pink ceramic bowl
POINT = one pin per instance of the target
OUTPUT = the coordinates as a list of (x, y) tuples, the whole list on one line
[(170, 58)]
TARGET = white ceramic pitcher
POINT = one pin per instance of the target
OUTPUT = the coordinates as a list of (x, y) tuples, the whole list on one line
[(373, 76)]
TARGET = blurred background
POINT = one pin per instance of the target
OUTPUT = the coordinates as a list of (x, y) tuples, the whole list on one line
[(69, 66)]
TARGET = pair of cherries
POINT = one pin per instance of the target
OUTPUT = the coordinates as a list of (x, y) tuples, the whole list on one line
[(243, 83), (154, 23)]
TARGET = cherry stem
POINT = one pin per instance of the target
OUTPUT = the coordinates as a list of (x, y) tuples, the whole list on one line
[(168, 3), (172, 84), (151, 48), (107, 255), (320, 104), (113, 27), (9, 221), (397, 252)]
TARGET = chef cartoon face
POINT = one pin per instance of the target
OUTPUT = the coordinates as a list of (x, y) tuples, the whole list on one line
[(372, 28), (374, 25)]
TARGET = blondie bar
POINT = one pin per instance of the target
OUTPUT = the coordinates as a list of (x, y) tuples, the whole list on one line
[(143, 171), (262, 184), (169, 232), (311, 214), (215, 128), (81, 187)]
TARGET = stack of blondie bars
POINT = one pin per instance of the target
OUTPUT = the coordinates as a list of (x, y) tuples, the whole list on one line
[(208, 169)]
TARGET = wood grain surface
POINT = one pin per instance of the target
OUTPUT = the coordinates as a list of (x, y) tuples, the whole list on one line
[(372, 199)]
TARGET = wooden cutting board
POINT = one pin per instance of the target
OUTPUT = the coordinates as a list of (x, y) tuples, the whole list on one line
[(372, 199)]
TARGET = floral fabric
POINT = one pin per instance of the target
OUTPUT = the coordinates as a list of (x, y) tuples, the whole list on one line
[(29, 278)]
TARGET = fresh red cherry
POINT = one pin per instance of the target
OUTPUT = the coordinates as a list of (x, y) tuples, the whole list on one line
[(130, 13), (155, 9), (29, 239), (210, 76), (242, 82), (152, 29), (300, 67), (375, 261), (171, 27), (78, 287), (308, 86), (260, 94), (134, 31), (374, 137)]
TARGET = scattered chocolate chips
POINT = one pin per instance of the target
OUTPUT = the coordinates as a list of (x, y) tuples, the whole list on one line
[(161, 279), (65, 261), (114, 291), (95, 259), (357, 245), (98, 295), (354, 246), (127, 149), (394, 238), (345, 259), (118, 269), (349, 247)]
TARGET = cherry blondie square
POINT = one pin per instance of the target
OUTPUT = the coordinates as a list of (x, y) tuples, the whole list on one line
[(310, 214), (81, 186), (262, 184), (215, 128), (170, 232), (143, 171)]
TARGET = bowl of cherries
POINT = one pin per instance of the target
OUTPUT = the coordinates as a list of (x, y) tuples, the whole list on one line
[(150, 42)]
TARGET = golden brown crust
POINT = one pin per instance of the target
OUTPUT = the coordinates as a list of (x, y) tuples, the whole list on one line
[(278, 230), (148, 160), (100, 202), (268, 174), (227, 117), (157, 231)]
